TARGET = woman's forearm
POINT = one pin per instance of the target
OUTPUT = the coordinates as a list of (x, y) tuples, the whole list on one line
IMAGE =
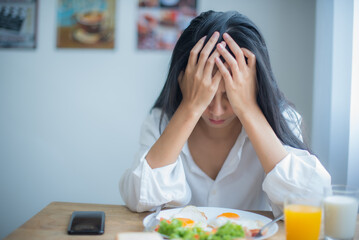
[(169, 145), (268, 147)]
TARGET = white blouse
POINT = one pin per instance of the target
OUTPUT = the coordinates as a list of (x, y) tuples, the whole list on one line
[(240, 184)]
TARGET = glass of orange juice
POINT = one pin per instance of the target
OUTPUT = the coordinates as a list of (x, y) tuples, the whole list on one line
[(303, 217)]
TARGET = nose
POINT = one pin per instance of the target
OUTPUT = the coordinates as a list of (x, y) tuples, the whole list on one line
[(217, 106)]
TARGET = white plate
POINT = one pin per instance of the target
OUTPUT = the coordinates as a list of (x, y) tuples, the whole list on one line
[(213, 212)]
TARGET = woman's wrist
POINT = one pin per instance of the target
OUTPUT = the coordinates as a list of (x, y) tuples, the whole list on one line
[(190, 110), (249, 114), (267, 145)]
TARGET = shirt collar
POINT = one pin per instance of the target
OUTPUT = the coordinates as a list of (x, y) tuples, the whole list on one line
[(231, 162)]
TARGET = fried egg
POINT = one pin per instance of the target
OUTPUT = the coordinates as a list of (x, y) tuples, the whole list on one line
[(229, 215), (191, 216), (223, 218)]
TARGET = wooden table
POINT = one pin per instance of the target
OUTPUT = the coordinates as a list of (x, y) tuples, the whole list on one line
[(51, 222)]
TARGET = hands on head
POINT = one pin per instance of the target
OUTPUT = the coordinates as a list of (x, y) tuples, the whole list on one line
[(216, 103), (200, 80)]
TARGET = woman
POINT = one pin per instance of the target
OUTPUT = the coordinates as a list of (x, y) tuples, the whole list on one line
[(221, 133)]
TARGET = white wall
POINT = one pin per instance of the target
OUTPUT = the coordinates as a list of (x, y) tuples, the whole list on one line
[(70, 119)]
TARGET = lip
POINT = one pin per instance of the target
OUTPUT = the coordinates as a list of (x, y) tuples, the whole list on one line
[(217, 122)]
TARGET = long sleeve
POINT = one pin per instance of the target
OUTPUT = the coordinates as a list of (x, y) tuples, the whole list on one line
[(299, 172), (143, 188)]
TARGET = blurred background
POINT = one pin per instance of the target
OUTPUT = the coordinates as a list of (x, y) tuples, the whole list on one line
[(70, 118)]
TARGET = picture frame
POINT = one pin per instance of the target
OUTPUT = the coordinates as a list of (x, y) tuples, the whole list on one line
[(86, 24), (161, 22), (18, 23)]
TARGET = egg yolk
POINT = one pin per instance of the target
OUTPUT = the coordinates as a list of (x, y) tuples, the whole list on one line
[(186, 222), (229, 215)]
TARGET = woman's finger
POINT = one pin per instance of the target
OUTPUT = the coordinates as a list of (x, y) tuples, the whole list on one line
[(193, 56), (231, 61), (216, 79), (208, 69), (224, 71), (206, 51), (238, 53), (250, 56)]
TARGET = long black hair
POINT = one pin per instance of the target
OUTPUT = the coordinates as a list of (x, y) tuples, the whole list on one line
[(269, 98)]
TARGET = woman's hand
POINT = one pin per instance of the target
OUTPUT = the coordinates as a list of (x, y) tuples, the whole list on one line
[(240, 82), (197, 83), (239, 77)]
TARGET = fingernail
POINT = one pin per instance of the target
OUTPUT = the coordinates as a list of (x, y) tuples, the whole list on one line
[(225, 35), (215, 34), (220, 46), (223, 43)]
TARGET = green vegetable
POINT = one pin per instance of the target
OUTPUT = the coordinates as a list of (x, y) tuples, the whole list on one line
[(175, 230), (169, 228), (227, 232)]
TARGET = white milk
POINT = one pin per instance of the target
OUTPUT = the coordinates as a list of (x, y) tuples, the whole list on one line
[(340, 216)]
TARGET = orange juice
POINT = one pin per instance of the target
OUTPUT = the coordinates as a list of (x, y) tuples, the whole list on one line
[(302, 222)]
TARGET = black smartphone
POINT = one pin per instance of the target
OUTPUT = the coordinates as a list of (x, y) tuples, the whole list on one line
[(87, 223)]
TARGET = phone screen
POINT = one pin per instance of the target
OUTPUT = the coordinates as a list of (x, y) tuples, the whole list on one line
[(87, 222)]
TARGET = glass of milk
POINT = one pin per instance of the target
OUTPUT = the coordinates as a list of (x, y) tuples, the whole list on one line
[(340, 213)]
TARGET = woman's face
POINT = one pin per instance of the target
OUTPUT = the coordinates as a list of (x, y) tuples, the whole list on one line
[(219, 112)]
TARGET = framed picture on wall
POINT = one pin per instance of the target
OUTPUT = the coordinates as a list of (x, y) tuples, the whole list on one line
[(161, 22), (18, 23), (86, 24)]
